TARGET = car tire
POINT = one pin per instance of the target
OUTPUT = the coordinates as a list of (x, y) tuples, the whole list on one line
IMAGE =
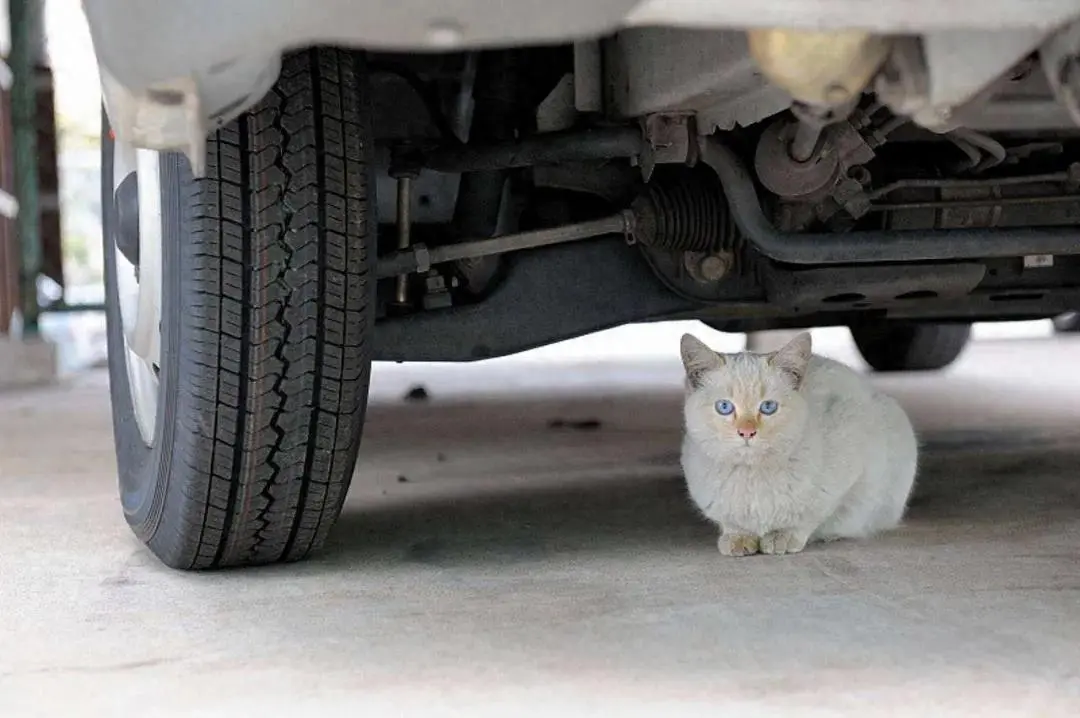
[(266, 319), (896, 346)]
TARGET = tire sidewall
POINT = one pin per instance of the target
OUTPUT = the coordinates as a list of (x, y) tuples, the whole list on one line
[(143, 471), (910, 346)]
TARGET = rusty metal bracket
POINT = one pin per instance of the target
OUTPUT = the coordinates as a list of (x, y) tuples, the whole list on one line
[(669, 139)]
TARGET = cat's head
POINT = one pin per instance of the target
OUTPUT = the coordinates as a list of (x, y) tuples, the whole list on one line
[(745, 404)]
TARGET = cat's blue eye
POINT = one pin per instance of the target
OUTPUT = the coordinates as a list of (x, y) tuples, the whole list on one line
[(768, 407), (724, 407)]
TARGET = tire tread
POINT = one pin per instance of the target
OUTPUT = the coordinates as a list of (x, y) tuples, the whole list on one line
[(275, 394)]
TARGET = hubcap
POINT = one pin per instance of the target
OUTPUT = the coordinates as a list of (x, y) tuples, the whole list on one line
[(137, 234)]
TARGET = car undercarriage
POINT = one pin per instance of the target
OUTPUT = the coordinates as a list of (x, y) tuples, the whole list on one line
[(849, 213), (840, 167)]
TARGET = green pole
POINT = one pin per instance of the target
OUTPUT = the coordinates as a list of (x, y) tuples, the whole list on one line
[(25, 23)]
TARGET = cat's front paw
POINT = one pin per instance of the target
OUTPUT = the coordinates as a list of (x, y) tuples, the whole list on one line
[(781, 542), (738, 544)]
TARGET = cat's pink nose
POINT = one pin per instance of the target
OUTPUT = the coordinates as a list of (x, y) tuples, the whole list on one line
[(747, 432)]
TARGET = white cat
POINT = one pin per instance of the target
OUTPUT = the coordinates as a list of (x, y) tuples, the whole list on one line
[(788, 447)]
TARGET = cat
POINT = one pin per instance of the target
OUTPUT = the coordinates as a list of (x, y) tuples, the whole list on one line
[(786, 448)]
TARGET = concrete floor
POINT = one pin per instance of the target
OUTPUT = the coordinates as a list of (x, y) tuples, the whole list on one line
[(528, 566)]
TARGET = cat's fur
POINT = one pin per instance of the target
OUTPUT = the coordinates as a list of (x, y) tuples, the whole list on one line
[(836, 460)]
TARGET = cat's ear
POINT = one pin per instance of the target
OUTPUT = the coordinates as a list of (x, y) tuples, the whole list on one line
[(698, 359), (793, 357)]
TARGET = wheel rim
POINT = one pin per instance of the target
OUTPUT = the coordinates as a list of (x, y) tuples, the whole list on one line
[(137, 236)]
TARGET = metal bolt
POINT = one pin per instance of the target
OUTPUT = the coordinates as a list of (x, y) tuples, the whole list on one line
[(806, 140), (860, 174), (404, 228), (713, 267)]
